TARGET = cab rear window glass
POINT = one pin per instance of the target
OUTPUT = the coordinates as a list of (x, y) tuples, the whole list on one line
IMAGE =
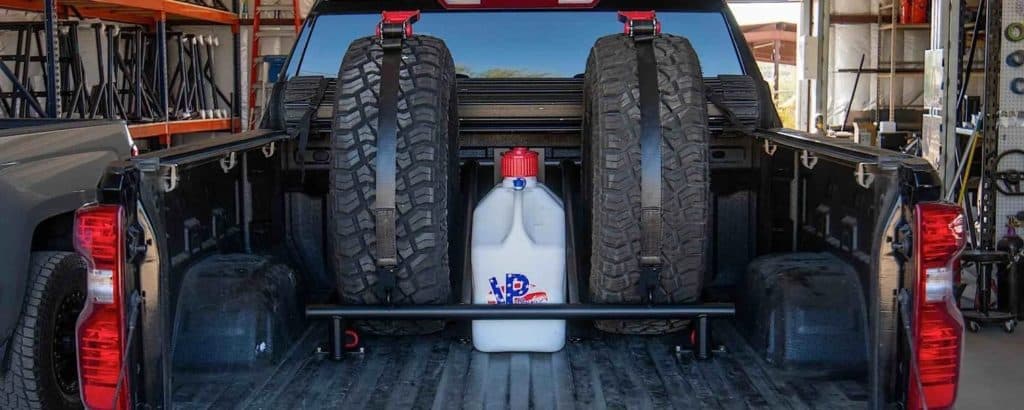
[(518, 44)]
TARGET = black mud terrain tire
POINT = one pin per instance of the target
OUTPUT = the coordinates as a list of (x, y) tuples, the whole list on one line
[(41, 371), (426, 180), (611, 157)]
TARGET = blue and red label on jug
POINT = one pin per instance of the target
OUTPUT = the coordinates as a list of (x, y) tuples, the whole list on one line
[(516, 290)]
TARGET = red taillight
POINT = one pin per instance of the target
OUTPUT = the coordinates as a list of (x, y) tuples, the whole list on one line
[(100, 331), (938, 325)]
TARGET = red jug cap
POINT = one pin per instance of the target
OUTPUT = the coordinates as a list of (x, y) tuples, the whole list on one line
[(519, 162)]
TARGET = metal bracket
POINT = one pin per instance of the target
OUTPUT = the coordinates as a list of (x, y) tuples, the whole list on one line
[(642, 20), (269, 149), (228, 162), (770, 147), (170, 181), (397, 23), (864, 178), (808, 159)]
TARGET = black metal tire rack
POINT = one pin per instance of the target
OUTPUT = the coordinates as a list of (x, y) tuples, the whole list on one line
[(698, 341), (148, 106)]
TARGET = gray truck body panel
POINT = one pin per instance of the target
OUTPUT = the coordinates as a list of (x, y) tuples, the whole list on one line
[(47, 168)]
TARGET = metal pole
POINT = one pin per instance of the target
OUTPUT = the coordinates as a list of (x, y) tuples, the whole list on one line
[(990, 136), (161, 65), (946, 35), (246, 205), (853, 94), (110, 89), (236, 106), (822, 26), (703, 348), (539, 311), (337, 337), (892, 64), (139, 66), (53, 106)]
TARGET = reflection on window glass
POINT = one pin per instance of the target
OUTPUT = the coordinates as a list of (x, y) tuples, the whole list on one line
[(520, 44)]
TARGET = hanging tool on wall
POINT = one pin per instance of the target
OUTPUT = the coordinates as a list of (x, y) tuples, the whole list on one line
[(1008, 181)]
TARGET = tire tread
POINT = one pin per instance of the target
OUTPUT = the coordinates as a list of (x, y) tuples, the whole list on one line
[(612, 158), (425, 182)]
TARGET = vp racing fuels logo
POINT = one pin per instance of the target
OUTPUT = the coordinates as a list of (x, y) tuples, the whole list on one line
[(515, 291)]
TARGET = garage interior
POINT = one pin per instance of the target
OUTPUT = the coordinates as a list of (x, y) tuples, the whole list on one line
[(939, 79)]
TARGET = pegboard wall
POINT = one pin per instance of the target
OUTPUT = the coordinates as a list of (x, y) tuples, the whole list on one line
[(1010, 115)]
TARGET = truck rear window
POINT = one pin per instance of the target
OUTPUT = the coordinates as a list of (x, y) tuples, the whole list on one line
[(516, 44)]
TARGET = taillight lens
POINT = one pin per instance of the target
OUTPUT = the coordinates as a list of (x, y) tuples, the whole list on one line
[(938, 325), (100, 331)]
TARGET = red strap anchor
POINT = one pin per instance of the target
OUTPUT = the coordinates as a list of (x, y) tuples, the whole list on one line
[(629, 18), (405, 19)]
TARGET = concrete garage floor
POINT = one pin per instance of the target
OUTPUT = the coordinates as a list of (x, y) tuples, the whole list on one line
[(992, 376)]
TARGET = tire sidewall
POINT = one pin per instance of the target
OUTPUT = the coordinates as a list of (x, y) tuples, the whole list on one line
[(67, 277)]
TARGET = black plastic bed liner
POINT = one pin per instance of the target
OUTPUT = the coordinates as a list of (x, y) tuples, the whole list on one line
[(442, 372)]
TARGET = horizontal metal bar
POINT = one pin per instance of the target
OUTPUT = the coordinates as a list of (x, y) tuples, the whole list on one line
[(213, 148), (535, 311)]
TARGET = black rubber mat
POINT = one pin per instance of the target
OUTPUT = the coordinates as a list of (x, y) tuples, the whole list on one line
[(443, 372)]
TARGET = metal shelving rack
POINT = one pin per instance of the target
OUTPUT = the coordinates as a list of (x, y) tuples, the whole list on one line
[(990, 149), (156, 14), (891, 31)]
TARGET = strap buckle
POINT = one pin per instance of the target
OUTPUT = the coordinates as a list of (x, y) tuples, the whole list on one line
[(640, 23), (397, 24), (386, 281), (650, 276)]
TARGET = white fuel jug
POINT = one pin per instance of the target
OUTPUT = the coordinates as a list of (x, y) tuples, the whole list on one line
[(519, 257)]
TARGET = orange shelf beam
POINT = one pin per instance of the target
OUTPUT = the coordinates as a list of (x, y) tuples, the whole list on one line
[(164, 130), (23, 5), (133, 11)]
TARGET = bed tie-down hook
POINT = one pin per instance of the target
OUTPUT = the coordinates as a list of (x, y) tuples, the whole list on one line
[(808, 159), (170, 180), (770, 147), (228, 162), (864, 178), (269, 149)]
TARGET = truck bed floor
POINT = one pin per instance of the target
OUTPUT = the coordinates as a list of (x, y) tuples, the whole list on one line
[(443, 372)]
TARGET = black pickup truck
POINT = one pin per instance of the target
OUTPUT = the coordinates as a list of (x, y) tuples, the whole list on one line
[(323, 261)]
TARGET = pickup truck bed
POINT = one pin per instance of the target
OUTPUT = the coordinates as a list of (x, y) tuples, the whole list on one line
[(232, 255), (443, 371)]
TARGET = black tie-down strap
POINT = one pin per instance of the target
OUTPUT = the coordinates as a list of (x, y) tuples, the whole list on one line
[(643, 27), (303, 96), (393, 29)]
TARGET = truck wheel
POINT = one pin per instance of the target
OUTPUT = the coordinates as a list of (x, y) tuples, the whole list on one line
[(612, 177), (427, 161), (43, 372)]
